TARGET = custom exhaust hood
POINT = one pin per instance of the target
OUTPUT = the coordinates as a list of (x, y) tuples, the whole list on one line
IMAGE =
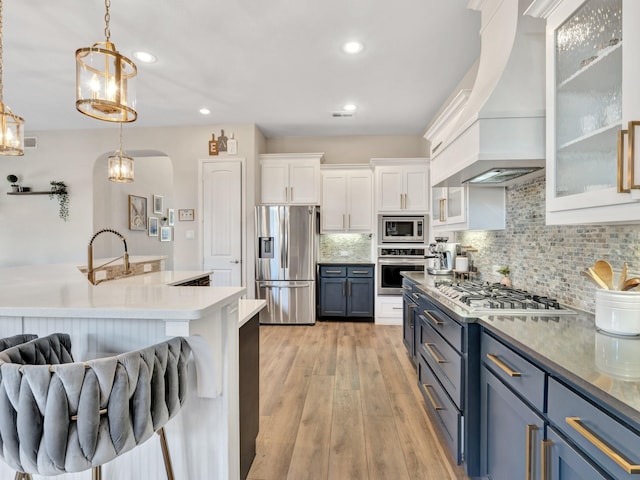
[(493, 133)]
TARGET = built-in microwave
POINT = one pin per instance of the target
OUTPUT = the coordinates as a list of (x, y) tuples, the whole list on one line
[(401, 229)]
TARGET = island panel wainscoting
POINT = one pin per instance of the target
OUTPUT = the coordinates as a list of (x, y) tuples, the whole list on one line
[(111, 318)]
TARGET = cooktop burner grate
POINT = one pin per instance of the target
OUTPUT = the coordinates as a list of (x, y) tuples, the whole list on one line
[(479, 297)]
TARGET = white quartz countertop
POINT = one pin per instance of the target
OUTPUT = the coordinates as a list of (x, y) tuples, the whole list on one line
[(63, 291), (164, 277)]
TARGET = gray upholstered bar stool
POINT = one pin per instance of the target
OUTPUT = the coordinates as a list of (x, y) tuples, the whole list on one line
[(9, 342), (60, 416)]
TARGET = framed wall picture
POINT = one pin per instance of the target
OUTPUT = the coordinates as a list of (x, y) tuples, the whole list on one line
[(171, 217), (165, 234), (157, 204), (137, 212), (153, 226)]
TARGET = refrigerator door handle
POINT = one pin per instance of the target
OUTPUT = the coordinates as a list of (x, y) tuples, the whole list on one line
[(282, 237), (286, 241)]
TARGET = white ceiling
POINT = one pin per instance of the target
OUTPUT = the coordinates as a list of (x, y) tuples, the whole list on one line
[(275, 63)]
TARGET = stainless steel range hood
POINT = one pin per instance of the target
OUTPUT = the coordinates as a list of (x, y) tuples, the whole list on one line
[(498, 125)]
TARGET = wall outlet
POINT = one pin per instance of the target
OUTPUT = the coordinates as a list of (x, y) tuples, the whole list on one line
[(147, 267), (344, 253), (100, 275), (190, 234)]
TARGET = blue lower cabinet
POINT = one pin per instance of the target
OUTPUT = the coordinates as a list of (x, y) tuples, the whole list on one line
[(360, 297), (511, 433), (564, 462), (333, 297), (346, 291), (441, 408)]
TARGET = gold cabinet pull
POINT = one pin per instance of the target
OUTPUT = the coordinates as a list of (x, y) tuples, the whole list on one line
[(623, 187), (333, 271), (627, 466), (415, 295), (430, 396), (503, 366), (545, 461), (432, 352), (433, 319), (531, 430), (442, 213), (364, 272), (631, 129)]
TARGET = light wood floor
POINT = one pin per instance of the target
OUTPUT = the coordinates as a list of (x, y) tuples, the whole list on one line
[(340, 401)]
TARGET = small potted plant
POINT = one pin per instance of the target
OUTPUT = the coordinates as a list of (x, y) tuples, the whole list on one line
[(13, 180), (505, 271), (59, 189)]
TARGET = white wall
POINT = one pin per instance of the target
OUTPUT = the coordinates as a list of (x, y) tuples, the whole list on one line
[(352, 149), (31, 231)]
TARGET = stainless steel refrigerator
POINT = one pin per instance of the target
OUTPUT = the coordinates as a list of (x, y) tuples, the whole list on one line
[(286, 262)]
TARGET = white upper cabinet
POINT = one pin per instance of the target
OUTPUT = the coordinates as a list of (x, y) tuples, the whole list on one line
[(347, 199), (291, 178), (468, 208), (593, 48), (401, 185)]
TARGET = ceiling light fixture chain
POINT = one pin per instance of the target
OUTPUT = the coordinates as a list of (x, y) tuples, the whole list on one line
[(120, 166), (1, 71), (107, 18)]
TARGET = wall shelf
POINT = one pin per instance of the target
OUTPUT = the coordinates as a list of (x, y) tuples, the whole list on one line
[(50, 192)]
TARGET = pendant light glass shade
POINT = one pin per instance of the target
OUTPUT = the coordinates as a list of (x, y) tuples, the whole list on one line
[(121, 168), (11, 132), (120, 165), (105, 80), (11, 125), (105, 83)]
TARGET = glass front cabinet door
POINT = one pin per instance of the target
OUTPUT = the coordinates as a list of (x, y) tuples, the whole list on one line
[(593, 101)]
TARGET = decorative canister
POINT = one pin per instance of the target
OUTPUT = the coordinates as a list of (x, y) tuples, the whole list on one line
[(618, 312)]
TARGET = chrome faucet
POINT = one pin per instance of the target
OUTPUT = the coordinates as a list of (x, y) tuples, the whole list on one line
[(91, 272)]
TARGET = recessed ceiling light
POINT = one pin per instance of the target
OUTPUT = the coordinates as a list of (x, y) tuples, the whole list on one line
[(349, 107), (352, 47), (205, 111), (144, 57)]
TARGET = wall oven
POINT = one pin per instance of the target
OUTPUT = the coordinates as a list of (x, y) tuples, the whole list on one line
[(401, 229), (392, 261)]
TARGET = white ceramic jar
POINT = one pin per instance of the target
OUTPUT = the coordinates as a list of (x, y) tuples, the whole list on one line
[(618, 312), (462, 263)]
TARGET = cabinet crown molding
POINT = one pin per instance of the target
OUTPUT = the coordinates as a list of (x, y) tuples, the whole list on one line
[(399, 161), (289, 156), (542, 8)]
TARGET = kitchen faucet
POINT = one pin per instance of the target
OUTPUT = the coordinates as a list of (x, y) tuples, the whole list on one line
[(91, 272)]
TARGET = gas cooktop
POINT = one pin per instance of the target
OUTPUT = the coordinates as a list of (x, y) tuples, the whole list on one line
[(482, 298)]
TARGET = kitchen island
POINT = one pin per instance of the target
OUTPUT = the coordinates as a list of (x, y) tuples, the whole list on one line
[(123, 315)]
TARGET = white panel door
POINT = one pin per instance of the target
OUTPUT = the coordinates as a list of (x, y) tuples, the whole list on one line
[(389, 188), (222, 222), (275, 182), (417, 189), (333, 211), (359, 202)]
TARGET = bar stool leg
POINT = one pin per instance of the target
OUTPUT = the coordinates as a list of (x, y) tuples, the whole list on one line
[(23, 476), (96, 473), (165, 454)]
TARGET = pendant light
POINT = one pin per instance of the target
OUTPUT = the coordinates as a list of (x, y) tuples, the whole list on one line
[(105, 80), (11, 125), (120, 166)]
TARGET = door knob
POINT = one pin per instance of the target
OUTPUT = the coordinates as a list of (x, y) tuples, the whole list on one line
[(234, 261)]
